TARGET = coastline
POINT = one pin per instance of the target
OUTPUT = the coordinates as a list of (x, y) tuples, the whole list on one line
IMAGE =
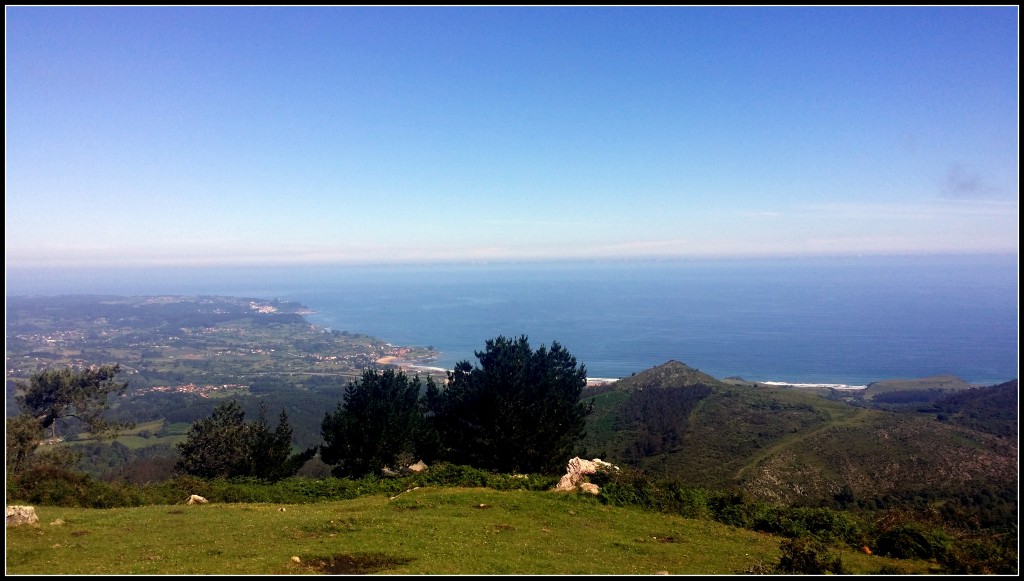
[(841, 386), (414, 367), (407, 366)]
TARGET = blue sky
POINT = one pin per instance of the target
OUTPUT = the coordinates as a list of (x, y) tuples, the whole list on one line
[(198, 136)]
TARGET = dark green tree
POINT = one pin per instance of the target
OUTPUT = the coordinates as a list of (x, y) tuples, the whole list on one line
[(53, 395), (270, 452), (217, 445), (24, 434), (519, 410), (268, 449), (224, 445), (375, 424)]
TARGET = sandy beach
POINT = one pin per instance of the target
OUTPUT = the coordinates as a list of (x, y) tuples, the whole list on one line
[(412, 366), (417, 368)]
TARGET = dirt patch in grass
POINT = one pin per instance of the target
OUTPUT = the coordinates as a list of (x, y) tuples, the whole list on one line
[(358, 564)]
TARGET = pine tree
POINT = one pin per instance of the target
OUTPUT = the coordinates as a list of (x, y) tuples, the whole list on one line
[(53, 395), (374, 425), (519, 410), (217, 445), (223, 445)]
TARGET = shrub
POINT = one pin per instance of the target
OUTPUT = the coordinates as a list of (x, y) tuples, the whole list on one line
[(980, 556), (911, 540), (731, 507), (690, 502), (736, 515), (829, 525), (775, 520), (628, 487), (805, 555), (50, 485), (445, 474), (301, 489)]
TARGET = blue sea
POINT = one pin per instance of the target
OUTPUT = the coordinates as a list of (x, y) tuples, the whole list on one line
[(850, 320)]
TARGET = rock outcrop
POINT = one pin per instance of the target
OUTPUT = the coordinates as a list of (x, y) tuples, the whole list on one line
[(21, 515), (576, 474)]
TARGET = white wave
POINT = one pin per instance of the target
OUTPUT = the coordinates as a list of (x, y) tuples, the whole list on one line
[(825, 385)]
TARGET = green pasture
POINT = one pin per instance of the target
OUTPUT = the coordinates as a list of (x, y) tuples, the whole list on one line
[(420, 531)]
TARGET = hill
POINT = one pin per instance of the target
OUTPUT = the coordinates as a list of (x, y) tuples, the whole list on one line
[(794, 446), (672, 374), (987, 409)]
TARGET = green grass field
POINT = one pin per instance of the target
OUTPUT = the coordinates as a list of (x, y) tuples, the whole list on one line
[(176, 433), (421, 531)]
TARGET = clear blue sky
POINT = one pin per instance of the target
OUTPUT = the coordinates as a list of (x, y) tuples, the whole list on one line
[(256, 135)]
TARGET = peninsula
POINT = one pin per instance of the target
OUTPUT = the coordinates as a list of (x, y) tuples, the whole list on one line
[(186, 343)]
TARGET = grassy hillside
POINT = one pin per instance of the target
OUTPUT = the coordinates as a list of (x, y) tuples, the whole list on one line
[(945, 383), (796, 447), (422, 531), (987, 409)]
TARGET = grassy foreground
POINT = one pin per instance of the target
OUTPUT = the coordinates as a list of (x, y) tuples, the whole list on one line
[(421, 531)]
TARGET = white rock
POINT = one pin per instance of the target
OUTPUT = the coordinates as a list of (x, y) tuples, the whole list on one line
[(578, 468), (21, 515)]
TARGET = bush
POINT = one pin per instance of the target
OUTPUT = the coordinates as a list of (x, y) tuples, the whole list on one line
[(808, 556), (690, 502), (911, 540), (49, 485), (737, 515), (628, 487), (981, 557), (312, 490), (731, 507), (445, 474), (829, 525)]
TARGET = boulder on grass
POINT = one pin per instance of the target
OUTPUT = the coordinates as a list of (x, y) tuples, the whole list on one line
[(21, 515), (196, 499)]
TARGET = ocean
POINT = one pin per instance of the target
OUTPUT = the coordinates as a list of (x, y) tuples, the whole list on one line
[(850, 320)]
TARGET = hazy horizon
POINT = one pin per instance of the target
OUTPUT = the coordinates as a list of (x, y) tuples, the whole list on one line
[(810, 320), (188, 136)]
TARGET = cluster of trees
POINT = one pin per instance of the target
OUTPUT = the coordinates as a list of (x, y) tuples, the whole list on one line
[(225, 445), (518, 410), (657, 419)]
